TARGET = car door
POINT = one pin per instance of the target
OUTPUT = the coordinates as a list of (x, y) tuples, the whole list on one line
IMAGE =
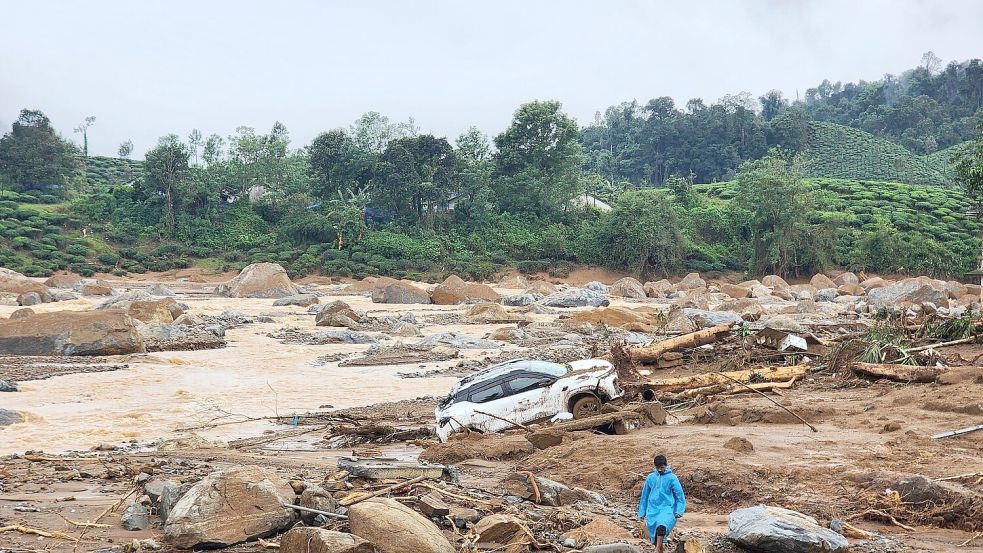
[(530, 397)]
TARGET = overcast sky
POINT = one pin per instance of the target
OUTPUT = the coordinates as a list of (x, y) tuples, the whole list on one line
[(149, 68)]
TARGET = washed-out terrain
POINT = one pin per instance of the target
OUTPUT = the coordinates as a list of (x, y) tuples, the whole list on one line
[(834, 389)]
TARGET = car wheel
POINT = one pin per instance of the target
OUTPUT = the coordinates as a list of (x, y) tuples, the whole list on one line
[(587, 406)]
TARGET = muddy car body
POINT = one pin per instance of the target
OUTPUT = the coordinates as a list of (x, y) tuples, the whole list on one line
[(523, 391)]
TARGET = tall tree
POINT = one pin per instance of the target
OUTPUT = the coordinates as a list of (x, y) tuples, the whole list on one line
[(83, 128), (336, 163), (539, 159), (166, 173), (125, 148), (33, 156)]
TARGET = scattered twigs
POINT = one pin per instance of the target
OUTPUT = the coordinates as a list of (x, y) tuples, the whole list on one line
[(786, 409), (944, 344), (452, 495), (35, 532), (358, 498), (884, 516), (967, 542), (503, 419), (315, 511), (959, 476), (108, 510), (82, 524)]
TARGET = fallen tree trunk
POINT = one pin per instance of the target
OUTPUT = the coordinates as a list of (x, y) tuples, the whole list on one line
[(898, 373), (721, 389), (683, 383), (651, 354)]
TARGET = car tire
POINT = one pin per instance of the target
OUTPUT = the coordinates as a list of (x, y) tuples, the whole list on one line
[(585, 407)]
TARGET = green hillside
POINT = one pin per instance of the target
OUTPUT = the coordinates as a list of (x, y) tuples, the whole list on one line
[(110, 171), (931, 219), (840, 152)]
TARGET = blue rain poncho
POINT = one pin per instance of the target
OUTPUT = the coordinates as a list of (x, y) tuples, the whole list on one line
[(662, 500)]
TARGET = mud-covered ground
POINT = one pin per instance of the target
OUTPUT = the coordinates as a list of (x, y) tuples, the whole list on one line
[(92, 426)]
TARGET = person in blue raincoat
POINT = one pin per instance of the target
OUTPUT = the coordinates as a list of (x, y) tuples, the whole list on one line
[(662, 502)]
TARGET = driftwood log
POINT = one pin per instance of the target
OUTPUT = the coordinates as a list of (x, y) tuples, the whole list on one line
[(652, 353), (764, 374), (898, 373)]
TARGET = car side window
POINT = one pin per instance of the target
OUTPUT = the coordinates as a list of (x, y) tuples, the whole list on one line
[(526, 383), (488, 394)]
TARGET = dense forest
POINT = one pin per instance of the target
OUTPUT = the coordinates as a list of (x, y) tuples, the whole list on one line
[(860, 176)]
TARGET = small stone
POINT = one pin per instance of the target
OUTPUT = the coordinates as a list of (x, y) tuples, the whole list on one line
[(135, 517)]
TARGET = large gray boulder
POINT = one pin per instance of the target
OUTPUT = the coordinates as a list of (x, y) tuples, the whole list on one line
[(382, 521), (703, 319), (259, 280), (457, 340), (229, 507), (910, 291), (109, 332), (576, 297), (773, 529), (628, 288)]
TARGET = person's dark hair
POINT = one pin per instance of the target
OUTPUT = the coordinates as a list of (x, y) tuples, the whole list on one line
[(660, 461)]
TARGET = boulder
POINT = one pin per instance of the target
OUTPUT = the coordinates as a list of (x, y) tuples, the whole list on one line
[(762, 291), (774, 282), (540, 287), (135, 517), (803, 291), (514, 281), (178, 337), (484, 313), (697, 298), (457, 340), (598, 287), (454, 291), (62, 280), (405, 329), (65, 295), (766, 528), (955, 289), (28, 299), (618, 317), (821, 281), (827, 294), (342, 337), (8, 386), (96, 290), (302, 539), (735, 291), (229, 507), (170, 494), (152, 311), (300, 300), (705, 319), (339, 313), (850, 290), (503, 532), (8, 417), (520, 300), (551, 492), (691, 281), (259, 280), (873, 282), (658, 289), (380, 521), (628, 288), (109, 332), (318, 498), (399, 292), (364, 286), (12, 282), (161, 290), (576, 297), (905, 293), (846, 278)]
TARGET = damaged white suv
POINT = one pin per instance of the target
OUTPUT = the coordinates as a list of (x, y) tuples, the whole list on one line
[(523, 391)]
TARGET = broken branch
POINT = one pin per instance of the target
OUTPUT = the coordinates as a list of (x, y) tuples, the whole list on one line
[(358, 498), (35, 532), (513, 423), (315, 511), (899, 373)]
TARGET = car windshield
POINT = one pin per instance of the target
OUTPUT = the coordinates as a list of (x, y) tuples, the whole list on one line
[(461, 389)]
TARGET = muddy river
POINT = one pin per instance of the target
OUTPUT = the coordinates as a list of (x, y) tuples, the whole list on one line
[(159, 394)]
